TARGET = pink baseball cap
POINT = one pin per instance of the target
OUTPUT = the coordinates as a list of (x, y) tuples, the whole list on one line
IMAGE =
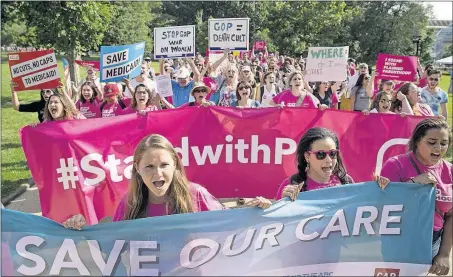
[(110, 90)]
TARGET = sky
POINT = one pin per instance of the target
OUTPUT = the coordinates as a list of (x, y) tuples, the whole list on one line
[(442, 10)]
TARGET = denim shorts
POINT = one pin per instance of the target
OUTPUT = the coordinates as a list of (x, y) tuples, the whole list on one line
[(437, 239)]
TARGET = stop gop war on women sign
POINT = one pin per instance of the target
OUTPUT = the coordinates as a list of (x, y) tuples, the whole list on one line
[(34, 70), (323, 233), (174, 42), (119, 62)]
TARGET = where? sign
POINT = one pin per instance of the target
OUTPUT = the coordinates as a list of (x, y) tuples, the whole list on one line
[(34, 70), (228, 33), (174, 42)]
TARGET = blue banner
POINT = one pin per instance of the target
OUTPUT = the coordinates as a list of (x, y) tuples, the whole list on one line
[(352, 230), (118, 62)]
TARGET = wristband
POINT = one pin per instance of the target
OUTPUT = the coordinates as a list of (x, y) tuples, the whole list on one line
[(412, 179)]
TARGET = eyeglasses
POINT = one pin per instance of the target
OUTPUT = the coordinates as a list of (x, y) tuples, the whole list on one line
[(434, 79), (367, 77), (321, 155), (243, 87), (199, 65), (383, 101), (200, 90)]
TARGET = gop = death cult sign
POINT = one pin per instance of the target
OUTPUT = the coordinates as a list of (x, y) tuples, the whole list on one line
[(119, 62), (34, 70), (228, 33), (174, 42)]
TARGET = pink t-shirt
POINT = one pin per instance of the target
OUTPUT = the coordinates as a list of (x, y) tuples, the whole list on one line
[(286, 98), (89, 110), (400, 169), (130, 110), (110, 110), (313, 185), (202, 201), (423, 110)]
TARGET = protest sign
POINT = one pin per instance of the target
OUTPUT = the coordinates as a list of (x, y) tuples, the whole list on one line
[(259, 45), (163, 85), (67, 77), (174, 42), (228, 33), (326, 231), (34, 70), (94, 64), (119, 62), (90, 174), (327, 64), (393, 67)]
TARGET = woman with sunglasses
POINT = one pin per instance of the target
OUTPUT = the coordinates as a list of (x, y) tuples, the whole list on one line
[(33, 107), (326, 94), (297, 96), (362, 92), (159, 187), (319, 165), (413, 96), (425, 163), (243, 94), (90, 99), (199, 93)]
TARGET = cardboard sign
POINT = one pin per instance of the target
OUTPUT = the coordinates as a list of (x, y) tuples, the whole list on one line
[(228, 33), (259, 45), (94, 64), (67, 77), (118, 62), (174, 42), (327, 64), (393, 67), (163, 84), (34, 70)]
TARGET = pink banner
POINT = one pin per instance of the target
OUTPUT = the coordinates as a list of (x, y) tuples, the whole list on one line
[(94, 64), (232, 153), (392, 67)]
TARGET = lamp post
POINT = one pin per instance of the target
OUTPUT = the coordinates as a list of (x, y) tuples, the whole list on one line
[(417, 40)]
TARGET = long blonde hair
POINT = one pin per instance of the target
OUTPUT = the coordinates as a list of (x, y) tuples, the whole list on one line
[(69, 108), (180, 199)]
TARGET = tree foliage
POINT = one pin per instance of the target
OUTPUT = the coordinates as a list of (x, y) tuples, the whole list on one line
[(289, 27)]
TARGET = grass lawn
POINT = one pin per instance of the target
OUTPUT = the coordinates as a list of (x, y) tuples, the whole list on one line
[(14, 170)]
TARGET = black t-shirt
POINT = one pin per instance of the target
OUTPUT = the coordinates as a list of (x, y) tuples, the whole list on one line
[(34, 107), (327, 98)]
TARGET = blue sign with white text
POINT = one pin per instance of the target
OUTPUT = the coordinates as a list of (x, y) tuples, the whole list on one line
[(350, 230), (118, 62)]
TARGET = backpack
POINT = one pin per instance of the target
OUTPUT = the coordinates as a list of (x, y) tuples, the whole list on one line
[(120, 102)]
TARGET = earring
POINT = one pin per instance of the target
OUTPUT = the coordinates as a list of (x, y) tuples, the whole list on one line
[(308, 166)]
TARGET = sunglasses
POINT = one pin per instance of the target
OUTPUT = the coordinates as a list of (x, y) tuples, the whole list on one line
[(321, 155), (434, 79), (47, 91), (199, 64), (243, 87), (383, 101), (367, 78), (200, 90)]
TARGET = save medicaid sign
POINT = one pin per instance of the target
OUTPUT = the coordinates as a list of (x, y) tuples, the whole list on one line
[(119, 62)]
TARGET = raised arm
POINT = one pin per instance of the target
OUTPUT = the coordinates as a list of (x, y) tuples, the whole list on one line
[(370, 86), (14, 98), (220, 61), (196, 72)]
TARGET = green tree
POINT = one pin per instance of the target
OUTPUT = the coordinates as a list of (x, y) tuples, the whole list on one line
[(130, 21), (71, 28)]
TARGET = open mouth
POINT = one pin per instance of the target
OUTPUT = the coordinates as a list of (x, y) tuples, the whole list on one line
[(200, 97), (435, 156), (158, 184), (141, 100), (385, 107), (53, 111), (327, 169)]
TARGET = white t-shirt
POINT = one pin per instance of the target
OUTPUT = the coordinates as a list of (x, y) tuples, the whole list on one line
[(267, 96), (149, 83)]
